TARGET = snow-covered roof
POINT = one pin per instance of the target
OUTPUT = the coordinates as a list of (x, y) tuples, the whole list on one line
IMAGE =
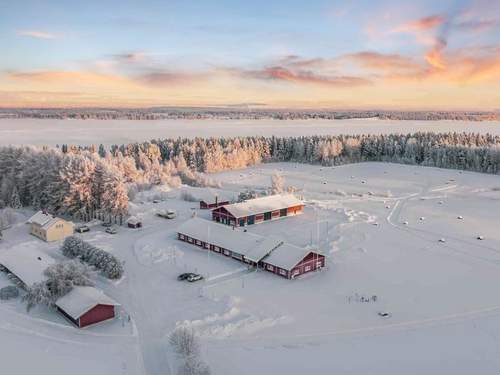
[(287, 256), (133, 220), (43, 219), (209, 195), (252, 246), (81, 299), (263, 204), (28, 264)]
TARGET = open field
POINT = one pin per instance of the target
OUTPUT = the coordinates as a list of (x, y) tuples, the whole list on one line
[(107, 132), (444, 313)]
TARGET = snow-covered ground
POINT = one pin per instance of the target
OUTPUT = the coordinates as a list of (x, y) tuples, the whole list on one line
[(380, 226), (82, 132)]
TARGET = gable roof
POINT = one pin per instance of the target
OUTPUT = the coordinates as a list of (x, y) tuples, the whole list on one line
[(43, 219), (82, 299), (252, 246), (287, 256), (263, 204), (28, 264)]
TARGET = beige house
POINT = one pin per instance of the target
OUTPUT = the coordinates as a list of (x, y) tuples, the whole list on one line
[(50, 228)]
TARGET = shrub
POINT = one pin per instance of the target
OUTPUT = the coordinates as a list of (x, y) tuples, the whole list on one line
[(9, 292), (109, 265)]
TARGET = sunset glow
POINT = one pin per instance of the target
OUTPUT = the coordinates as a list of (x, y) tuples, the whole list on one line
[(322, 54)]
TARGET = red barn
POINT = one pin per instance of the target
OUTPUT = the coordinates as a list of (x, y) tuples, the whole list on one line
[(258, 210), (269, 253), (85, 305)]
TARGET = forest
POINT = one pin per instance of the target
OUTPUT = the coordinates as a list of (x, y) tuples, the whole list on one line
[(78, 181)]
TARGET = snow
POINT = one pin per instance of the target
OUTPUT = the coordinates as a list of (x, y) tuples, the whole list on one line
[(27, 263), (286, 256), (444, 315), (209, 195), (108, 132), (252, 246), (82, 299), (262, 204)]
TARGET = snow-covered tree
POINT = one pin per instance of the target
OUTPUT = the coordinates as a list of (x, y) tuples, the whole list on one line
[(277, 183)]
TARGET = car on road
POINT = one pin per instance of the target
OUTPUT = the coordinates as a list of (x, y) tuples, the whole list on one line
[(106, 224), (112, 230), (189, 276), (82, 229)]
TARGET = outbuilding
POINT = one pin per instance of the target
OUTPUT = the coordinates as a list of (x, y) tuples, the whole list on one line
[(210, 198), (83, 305), (134, 222), (258, 210), (269, 253), (49, 227), (86, 305)]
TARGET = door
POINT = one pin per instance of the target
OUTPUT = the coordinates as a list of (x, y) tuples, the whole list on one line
[(251, 220), (267, 216)]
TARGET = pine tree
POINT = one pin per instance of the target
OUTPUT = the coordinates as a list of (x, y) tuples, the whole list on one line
[(15, 200)]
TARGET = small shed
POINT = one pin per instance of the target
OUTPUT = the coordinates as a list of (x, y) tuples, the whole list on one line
[(49, 228), (134, 222), (86, 305)]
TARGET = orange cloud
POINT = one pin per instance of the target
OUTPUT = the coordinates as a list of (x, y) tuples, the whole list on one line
[(434, 57), (279, 73), (421, 24)]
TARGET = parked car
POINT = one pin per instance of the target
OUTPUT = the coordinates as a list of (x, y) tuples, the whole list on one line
[(384, 314), (107, 225), (189, 276), (112, 230), (156, 201), (82, 229), (194, 277), (168, 214)]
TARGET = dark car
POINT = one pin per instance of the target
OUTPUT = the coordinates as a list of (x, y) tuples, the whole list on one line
[(82, 229), (194, 277), (107, 225), (189, 276), (184, 276)]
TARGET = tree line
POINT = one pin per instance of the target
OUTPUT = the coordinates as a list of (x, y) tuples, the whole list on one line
[(82, 180)]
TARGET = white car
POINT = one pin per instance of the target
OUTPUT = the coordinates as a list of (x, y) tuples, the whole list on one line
[(112, 230)]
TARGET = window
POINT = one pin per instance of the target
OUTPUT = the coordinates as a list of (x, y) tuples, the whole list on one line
[(270, 268), (198, 242), (190, 240), (217, 248), (207, 246), (308, 268), (181, 236), (283, 212), (227, 252), (282, 272), (319, 264)]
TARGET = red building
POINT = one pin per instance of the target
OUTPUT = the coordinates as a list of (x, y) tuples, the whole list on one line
[(85, 305), (267, 253), (258, 210)]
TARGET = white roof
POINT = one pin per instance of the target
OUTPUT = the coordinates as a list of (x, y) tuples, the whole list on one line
[(43, 219), (208, 195), (287, 256), (252, 246), (82, 299), (263, 204), (133, 220), (28, 264)]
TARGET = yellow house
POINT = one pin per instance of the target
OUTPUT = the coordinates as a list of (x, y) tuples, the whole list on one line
[(50, 228)]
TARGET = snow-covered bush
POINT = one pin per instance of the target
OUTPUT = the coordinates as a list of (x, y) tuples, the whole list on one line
[(188, 197), (7, 217), (277, 183), (110, 266), (247, 194), (9, 292), (184, 341), (60, 280), (186, 345)]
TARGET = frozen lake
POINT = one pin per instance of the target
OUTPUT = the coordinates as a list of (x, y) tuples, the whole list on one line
[(52, 132)]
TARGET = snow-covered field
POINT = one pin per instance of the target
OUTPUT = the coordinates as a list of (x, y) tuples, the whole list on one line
[(107, 132), (380, 226)]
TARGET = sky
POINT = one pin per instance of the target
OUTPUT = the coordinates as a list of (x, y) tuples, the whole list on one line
[(262, 54)]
